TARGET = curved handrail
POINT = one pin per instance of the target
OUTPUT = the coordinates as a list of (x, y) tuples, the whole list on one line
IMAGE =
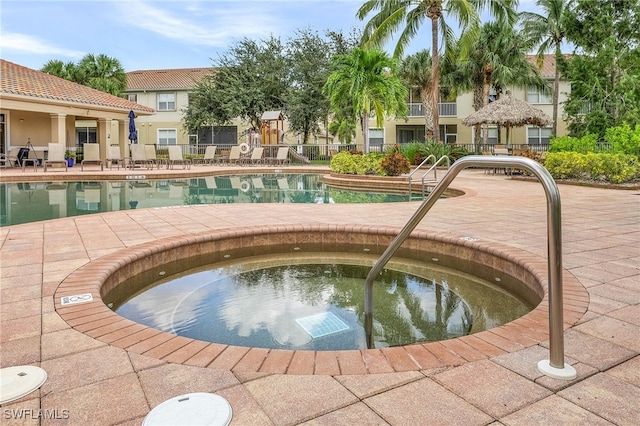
[(431, 156), (555, 367), (435, 171)]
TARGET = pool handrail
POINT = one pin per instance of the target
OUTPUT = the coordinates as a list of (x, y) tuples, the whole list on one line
[(554, 367)]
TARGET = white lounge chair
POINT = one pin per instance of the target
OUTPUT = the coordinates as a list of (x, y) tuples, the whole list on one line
[(55, 156), (257, 156), (176, 157), (139, 157), (209, 156), (281, 157), (91, 155), (114, 157)]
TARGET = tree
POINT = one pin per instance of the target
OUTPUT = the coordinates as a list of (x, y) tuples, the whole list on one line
[(406, 16), (547, 30), (99, 72), (250, 78), (368, 80), (605, 68), (103, 73), (416, 71), (306, 106)]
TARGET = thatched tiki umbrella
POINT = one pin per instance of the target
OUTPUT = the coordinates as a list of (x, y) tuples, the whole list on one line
[(508, 111)]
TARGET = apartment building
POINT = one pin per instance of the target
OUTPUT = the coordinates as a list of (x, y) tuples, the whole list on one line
[(167, 91)]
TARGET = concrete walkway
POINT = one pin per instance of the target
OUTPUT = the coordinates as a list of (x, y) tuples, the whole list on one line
[(94, 383)]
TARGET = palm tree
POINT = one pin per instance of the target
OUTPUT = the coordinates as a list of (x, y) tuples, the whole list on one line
[(416, 71), (497, 59), (406, 16), (548, 31), (368, 80), (103, 73), (67, 70)]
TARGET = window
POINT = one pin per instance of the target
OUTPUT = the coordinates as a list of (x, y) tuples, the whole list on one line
[(167, 136), (166, 101), (132, 97), (535, 96), (538, 135), (448, 133), (86, 135), (376, 138)]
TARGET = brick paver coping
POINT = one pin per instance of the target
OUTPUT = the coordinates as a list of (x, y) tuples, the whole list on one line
[(95, 319)]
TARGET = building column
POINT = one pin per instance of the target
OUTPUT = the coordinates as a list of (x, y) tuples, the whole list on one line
[(123, 138), (104, 136), (58, 128)]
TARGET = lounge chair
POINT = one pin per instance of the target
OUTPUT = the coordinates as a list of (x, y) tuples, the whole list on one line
[(209, 156), (139, 157), (175, 157), (91, 155), (152, 156), (234, 155), (114, 157), (281, 157), (11, 159), (55, 156), (257, 156)]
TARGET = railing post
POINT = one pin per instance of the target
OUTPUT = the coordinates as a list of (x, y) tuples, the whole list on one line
[(555, 366)]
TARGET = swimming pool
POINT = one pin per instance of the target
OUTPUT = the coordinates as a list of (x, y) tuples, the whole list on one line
[(26, 202)]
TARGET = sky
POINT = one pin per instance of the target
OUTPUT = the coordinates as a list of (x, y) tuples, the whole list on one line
[(164, 34)]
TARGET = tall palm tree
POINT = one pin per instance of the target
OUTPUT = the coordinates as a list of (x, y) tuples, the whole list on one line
[(416, 72), (103, 73), (368, 80), (547, 30), (406, 16), (67, 70)]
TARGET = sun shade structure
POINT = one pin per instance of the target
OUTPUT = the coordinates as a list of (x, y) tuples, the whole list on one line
[(509, 112)]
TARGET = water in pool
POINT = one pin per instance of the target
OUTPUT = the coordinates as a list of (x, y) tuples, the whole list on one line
[(34, 201), (308, 303)]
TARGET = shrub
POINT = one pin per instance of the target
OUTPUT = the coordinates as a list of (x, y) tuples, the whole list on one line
[(623, 139), (585, 144), (395, 163), (356, 164), (416, 152), (604, 167)]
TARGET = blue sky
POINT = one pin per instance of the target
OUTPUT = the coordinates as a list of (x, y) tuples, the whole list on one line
[(158, 34)]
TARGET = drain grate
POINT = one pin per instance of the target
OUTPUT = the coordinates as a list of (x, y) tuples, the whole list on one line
[(322, 324)]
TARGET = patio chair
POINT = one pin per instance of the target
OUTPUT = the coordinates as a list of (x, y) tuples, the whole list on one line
[(234, 155), (209, 156), (91, 155), (56, 156), (11, 158), (152, 156), (139, 157), (282, 156), (257, 156), (114, 157), (176, 157)]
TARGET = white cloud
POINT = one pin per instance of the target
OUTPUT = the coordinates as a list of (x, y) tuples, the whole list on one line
[(29, 44), (194, 24)]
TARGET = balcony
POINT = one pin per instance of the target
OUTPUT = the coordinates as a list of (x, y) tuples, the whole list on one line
[(446, 109)]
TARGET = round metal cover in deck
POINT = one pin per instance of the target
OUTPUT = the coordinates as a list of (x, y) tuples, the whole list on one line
[(193, 409), (19, 381)]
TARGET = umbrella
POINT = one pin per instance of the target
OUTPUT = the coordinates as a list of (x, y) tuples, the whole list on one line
[(133, 135), (508, 111)]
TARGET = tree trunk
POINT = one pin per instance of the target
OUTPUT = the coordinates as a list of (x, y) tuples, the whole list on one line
[(365, 131), (486, 87), (435, 79), (556, 88), (425, 97)]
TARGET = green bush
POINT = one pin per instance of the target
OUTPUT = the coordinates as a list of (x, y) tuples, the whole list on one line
[(395, 163), (357, 164), (416, 152), (583, 145), (623, 139), (603, 167)]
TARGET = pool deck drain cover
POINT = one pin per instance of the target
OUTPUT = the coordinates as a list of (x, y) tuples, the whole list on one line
[(16, 382), (322, 324), (198, 408)]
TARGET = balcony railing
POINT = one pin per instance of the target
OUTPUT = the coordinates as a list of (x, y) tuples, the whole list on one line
[(446, 109)]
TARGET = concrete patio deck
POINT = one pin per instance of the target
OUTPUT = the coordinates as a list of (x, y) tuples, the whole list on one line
[(93, 382)]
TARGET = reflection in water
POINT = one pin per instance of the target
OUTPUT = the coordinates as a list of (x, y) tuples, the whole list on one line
[(30, 202), (265, 307)]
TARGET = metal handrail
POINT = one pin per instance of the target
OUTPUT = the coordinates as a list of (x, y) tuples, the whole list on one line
[(431, 156), (555, 367), (435, 171)]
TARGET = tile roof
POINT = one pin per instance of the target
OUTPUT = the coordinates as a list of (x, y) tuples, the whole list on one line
[(18, 80), (182, 78), (548, 69)]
